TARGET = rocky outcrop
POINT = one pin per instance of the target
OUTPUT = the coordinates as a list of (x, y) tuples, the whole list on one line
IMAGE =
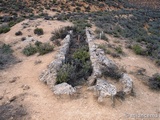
[(98, 59), (103, 89), (64, 89), (127, 84), (101, 64), (49, 76)]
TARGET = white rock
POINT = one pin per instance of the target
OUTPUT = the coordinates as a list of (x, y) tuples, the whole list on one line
[(64, 89)]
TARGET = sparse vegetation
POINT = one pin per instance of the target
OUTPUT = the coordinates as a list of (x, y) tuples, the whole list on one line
[(41, 48), (44, 48), (6, 57), (81, 54), (137, 49), (38, 31), (29, 50), (154, 82), (112, 72), (61, 33), (66, 72), (18, 33), (4, 29), (119, 50)]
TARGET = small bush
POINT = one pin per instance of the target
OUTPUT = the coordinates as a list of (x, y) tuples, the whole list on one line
[(38, 31), (112, 72), (119, 50), (29, 50), (65, 73), (61, 33), (103, 47), (137, 49), (6, 57), (6, 49), (81, 54), (18, 33), (45, 48), (4, 29), (158, 62), (154, 82), (37, 43)]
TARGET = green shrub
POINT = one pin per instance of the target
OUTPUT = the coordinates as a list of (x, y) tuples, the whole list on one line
[(37, 43), (81, 54), (154, 82), (29, 50), (65, 73), (38, 31), (119, 50), (45, 48), (59, 34), (6, 49), (4, 29), (104, 48), (6, 56), (137, 49)]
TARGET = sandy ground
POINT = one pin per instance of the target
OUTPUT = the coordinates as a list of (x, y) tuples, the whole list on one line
[(41, 104)]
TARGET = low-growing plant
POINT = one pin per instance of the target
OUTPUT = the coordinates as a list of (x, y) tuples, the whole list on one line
[(154, 82), (119, 50), (61, 33), (29, 50), (66, 72), (137, 49), (38, 31), (37, 43), (104, 48), (81, 54), (6, 57), (4, 29), (18, 33), (112, 72), (6, 49), (44, 48)]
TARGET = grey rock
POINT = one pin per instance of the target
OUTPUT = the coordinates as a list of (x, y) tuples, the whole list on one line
[(127, 83), (103, 89), (64, 89)]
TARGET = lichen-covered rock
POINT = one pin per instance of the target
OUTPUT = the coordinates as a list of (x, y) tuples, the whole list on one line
[(127, 83), (64, 89), (49, 76), (103, 89)]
